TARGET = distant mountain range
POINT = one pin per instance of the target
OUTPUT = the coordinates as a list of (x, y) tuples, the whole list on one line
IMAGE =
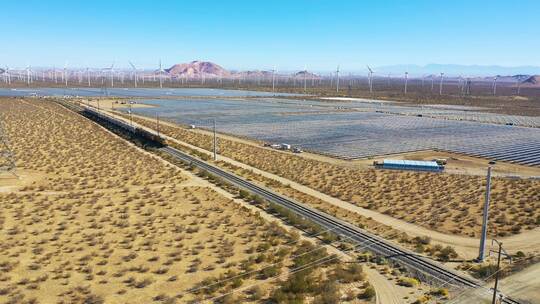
[(458, 70), (198, 68), (527, 75), (213, 70)]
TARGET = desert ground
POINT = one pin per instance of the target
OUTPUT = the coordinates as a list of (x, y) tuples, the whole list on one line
[(452, 203), (92, 219)]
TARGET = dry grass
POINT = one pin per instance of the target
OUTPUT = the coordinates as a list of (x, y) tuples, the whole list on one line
[(95, 220), (409, 195)]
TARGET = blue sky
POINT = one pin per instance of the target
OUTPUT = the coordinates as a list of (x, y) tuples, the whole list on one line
[(262, 34)]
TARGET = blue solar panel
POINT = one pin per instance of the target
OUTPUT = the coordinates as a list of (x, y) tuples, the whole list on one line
[(366, 132)]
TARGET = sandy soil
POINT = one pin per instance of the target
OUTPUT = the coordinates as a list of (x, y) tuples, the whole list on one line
[(108, 104), (524, 285), (387, 292), (92, 218), (466, 225)]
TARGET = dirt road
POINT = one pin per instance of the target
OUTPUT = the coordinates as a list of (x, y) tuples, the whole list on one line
[(466, 247)]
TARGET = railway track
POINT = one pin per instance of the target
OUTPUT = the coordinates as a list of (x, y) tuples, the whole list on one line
[(366, 240)]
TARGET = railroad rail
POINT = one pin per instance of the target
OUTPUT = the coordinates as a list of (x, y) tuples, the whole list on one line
[(366, 240)]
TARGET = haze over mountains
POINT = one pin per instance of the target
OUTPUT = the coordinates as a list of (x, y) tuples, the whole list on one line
[(477, 73), (459, 70)]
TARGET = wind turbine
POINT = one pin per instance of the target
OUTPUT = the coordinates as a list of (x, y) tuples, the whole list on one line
[(305, 79), (88, 75), (406, 80), (441, 84), (337, 79), (28, 75), (495, 85), (273, 79), (8, 76), (111, 69), (65, 73), (370, 79), (134, 72), (159, 75)]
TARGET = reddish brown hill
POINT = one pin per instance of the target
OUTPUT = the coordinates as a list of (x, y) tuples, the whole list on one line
[(196, 68)]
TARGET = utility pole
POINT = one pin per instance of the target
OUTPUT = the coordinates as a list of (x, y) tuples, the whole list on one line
[(499, 252), (215, 141), (483, 236)]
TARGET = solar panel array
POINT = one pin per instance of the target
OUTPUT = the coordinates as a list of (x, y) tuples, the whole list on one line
[(325, 128)]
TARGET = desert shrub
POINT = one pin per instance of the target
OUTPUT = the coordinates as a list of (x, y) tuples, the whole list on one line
[(368, 293), (351, 273), (328, 293), (485, 270), (440, 292), (408, 282), (270, 271), (257, 293), (447, 253)]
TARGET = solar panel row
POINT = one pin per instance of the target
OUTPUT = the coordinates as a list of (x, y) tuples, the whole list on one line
[(355, 134)]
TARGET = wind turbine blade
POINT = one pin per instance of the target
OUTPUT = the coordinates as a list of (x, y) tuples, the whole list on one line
[(370, 70)]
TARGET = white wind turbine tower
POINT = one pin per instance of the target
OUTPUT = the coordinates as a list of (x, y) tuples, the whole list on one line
[(159, 74), (8, 76), (111, 69), (337, 79), (88, 76), (441, 83), (406, 81), (65, 73), (370, 79), (134, 72), (305, 77), (495, 85), (273, 79), (28, 71)]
